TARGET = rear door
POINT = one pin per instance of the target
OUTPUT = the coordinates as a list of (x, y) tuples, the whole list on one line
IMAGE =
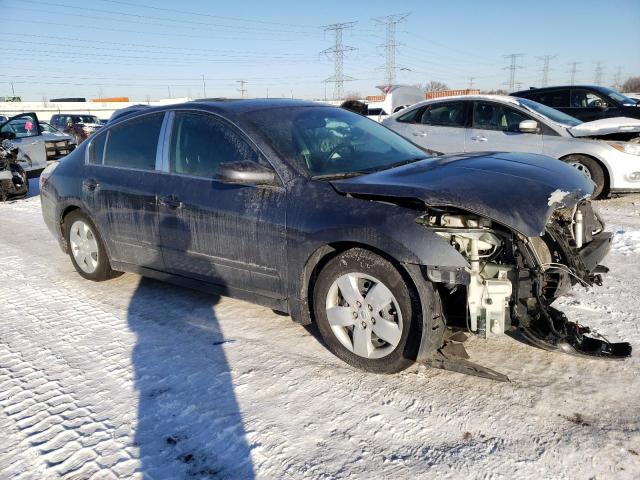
[(29, 140), (230, 235), (439, 126), (120, 188), (495, 127)]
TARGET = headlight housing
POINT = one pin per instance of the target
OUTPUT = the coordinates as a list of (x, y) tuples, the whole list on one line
[(627, 147)]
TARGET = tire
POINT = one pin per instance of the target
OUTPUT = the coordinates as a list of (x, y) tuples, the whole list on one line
[(398, 321), (86, 248), (592, 170)]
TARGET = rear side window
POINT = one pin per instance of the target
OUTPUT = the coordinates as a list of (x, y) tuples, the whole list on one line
[(449, 114), (410, 117), (133, 144), (96, 149), (201, 142), (555, 98)]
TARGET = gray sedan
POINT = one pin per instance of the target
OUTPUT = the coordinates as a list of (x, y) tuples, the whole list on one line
[(607, 151)]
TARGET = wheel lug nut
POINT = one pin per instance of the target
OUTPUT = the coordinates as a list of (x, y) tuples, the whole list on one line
[(370, 307), (358, 304), (355, 314), (364, 324)]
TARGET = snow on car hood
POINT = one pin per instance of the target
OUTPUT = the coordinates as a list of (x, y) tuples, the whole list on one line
[(606, 126), (518, 190)]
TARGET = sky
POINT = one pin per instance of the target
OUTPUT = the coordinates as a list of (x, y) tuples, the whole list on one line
[(146, 49)]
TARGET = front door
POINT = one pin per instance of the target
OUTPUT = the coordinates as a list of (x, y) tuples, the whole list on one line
[(588, 105), (120, 188), (439, 126), (230, 235), (32, 151), (495, 128)]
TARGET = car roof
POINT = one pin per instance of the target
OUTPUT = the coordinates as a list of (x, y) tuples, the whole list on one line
[(495, 98), (556, 87)]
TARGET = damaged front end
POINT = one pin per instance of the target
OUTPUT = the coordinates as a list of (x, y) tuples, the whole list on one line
[(513, 279)]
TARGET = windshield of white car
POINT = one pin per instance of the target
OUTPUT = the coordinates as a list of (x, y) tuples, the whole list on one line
[(551, 113), (329, 142)]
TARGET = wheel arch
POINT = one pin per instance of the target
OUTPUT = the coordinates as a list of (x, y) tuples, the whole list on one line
[(603, 165)]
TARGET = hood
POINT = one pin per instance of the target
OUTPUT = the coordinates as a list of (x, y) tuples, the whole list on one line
[(606, 126), (518, 190)]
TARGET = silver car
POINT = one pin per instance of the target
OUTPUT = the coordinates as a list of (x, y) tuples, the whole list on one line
[(607, 151)]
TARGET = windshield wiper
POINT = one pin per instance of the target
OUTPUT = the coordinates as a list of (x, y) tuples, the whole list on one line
[(331, 176), (397, 164)]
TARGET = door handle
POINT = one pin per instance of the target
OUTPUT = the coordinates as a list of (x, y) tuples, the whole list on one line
[(171, 202), (89, 184), (419, 134), (479, 139)]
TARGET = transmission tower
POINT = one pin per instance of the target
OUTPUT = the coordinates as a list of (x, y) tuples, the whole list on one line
[(545, 69), (391, 22), (597, 73), (573, 71), (617, 79), (512, 67), (471, 79), (242, 89), (338, 51)]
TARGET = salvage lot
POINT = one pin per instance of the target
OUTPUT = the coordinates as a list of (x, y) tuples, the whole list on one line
[(135, 377)]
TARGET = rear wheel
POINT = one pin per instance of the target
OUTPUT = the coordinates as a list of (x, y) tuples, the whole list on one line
[(366, 312), (86, 248), (592, 170)]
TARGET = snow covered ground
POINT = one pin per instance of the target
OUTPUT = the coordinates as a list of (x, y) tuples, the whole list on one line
[(133, 378)]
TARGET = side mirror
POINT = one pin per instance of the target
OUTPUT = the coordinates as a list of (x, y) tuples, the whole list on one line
[(245, 172), (528, 126), (7, 135)]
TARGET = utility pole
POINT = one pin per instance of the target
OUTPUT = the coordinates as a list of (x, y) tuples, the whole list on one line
[(471, 79), (13, 92), (512, 67), (597, 73), (204, 88), (391, 22), (169, 90), (243, 90), (338, 52), (573, 71), (545, 69)]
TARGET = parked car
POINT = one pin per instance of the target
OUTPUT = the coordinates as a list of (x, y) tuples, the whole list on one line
[(80, 127), (48, 130), (605, 151), (584, 102), (329, 216), (35, 145)]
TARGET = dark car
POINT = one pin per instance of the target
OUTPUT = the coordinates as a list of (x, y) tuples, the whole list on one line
[(585, 102), (80, 127), (331, 217)]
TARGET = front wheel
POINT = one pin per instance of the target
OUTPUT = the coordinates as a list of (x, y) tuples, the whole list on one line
[(591, 170), (86, 248), (366, 313)]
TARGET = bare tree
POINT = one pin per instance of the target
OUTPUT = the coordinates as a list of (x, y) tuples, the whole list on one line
[(631, 85), (499, 91), (353, 95), (436, 86)]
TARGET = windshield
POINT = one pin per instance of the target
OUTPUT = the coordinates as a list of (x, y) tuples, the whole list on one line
[(45, 127), (551, 113), (85, 119), (327, 141), (618, 97)]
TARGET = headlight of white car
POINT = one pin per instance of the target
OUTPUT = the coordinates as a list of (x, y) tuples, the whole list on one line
[(626, 147)]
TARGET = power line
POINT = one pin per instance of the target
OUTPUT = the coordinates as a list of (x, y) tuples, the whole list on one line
[(243, 90), (338, 52), (597, 72), (617, 79), (573, 71), (512, 67), (545, 69), (391, 22)]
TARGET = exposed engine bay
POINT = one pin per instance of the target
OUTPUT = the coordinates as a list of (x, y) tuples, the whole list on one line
[(13, 178), (513, 280)]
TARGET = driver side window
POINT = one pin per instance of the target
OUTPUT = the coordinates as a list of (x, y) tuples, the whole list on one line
[(200, 142), (581, 98), (449, 114), (493, 116)]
